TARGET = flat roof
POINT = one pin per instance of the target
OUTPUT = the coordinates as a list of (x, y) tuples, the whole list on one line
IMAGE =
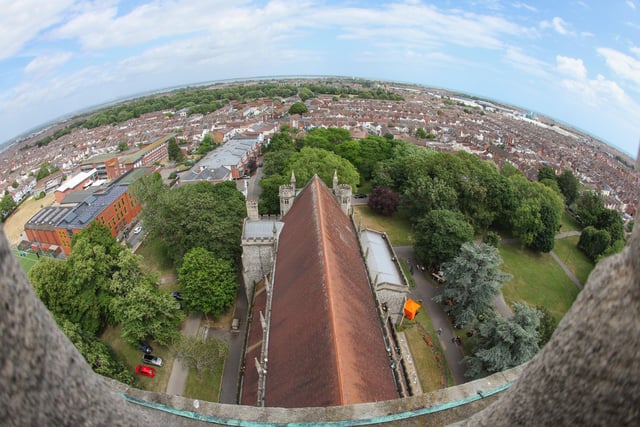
[(379, 258)]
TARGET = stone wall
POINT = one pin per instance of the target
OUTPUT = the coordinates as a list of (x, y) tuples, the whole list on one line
[(257, 261)]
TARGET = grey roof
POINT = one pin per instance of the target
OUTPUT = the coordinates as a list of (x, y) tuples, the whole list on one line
[(261, 229), (48, 218), (379, 258), (206, 174), (228, 154), (93, 206)]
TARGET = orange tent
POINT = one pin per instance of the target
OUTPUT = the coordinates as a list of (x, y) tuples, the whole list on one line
[(411, 309)]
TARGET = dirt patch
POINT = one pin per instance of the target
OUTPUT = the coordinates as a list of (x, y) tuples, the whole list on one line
[(14, 226)]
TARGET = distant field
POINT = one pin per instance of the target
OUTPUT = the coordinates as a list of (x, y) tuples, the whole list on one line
[(566, 249), (397, 228), (538, 280), (14, 226)]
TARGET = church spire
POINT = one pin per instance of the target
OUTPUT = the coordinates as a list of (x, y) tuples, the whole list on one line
[(335, 181)]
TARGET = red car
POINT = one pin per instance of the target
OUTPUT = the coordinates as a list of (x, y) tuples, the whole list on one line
[(145, 370)]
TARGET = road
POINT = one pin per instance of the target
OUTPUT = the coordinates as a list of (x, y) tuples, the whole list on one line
[(425, 291), (231, 373)]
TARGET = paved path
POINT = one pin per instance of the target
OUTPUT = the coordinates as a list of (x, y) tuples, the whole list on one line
[(179, 373), (425, 290), (231, 373), (501, 306), (568, 272)]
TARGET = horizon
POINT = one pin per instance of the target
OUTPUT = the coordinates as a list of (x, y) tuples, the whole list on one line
[(561, 61)]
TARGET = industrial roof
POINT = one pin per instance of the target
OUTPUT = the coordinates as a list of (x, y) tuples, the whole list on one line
[(48, 218)]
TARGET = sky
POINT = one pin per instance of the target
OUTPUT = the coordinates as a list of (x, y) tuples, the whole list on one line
[(574, 61)]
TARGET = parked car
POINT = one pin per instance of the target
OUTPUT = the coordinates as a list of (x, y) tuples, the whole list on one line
[(137, 230), (145, 370), (146, 348), (176, 295), (152, 360)]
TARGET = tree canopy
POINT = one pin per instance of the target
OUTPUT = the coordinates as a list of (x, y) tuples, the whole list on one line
[(504, 343), (439, 235), (473, 281), (298, 108), (383, 200), (195, 215), (208, 283), (203, 355)]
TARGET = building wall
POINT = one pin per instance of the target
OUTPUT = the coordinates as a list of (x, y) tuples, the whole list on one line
[(119, 214), (257, 260), (395, 302)]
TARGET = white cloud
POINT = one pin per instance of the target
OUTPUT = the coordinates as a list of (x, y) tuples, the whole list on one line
[(21, 21), (518, 59), (428, 27), (571, 67), (520, 5), (45, 63), (622, 65), (559, 25), (631, 4)]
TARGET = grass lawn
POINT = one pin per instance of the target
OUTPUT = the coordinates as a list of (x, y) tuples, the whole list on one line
[(537, 280), (155, 257), (28, 260), (397, 227), (568, 223), (131, 357), (207, 388), (567, 250), (430, 371)]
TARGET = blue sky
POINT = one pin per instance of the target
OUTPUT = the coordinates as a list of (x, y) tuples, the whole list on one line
[(575, 61)]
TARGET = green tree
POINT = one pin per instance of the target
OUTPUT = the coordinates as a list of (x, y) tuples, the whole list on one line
[(123, 146), (45, 170), (197, 215), (311, 161), (298, 108), (594, 242), (49, 278), (174, 151), (589, 205), (536, 214), (569, 186), (147, 189), (547, 326), (206, 144), (425, 193), (491, 238), (146, 312), (306, 93), (610, 220), (7, 205), (208, 283), (280, 141), (504, 343), (473, 281), (439, 235), (97, 354), (203, 355), (546, 172), (421, 133)]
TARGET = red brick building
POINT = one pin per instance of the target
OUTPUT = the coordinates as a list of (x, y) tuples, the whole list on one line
[(112, 205)]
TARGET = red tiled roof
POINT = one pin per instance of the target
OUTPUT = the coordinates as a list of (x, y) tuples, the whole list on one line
[(325, 341)]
